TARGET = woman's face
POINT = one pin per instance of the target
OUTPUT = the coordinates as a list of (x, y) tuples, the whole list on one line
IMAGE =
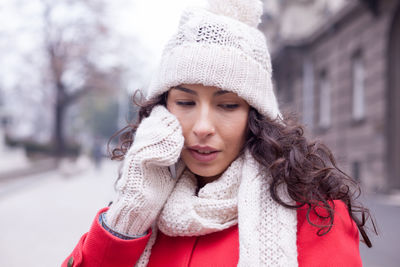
[(214, 124)]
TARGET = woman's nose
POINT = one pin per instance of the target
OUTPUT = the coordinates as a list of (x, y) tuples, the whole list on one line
[(204, 126)]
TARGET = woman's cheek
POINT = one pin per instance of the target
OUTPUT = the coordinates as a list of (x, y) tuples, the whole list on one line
[(233, 127), (231, 121), (183, 121)]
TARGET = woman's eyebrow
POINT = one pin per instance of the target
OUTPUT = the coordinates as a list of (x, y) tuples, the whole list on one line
[(221, 92), (186, 90)]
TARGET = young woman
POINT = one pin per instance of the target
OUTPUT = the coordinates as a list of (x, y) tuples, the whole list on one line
[(212, 174)]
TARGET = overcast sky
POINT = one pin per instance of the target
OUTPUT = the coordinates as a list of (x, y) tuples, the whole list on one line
[(153, 22), (150, 23)]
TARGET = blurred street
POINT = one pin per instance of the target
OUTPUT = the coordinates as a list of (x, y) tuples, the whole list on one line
[(43, 217), (386, 247)]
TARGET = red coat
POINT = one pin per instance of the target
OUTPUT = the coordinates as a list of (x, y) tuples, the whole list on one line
[(340, 247)]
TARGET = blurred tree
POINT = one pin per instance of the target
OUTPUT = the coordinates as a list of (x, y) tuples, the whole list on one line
[(55, 52), (74, 40), (100, 115)]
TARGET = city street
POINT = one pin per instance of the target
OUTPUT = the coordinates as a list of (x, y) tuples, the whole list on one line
[(43, 217), (386, 247)]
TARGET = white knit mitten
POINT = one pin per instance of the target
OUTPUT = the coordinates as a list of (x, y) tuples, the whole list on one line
[(146, 181)]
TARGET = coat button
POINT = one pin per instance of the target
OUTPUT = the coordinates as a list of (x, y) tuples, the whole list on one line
[(70, 262)]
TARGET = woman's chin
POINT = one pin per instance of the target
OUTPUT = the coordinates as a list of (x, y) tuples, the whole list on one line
[(204, 172)]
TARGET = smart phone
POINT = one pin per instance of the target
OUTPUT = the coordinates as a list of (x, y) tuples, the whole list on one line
[(172, 170)]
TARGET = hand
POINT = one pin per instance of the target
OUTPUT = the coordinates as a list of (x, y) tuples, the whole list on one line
[(146, 181), (158, 139)]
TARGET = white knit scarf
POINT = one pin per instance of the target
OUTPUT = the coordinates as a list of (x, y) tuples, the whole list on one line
[(267, 230)]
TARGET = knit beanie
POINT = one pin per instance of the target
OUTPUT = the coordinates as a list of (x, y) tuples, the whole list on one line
[(220, 46)]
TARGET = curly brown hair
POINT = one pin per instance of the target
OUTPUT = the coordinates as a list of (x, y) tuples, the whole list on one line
[(308, 169)]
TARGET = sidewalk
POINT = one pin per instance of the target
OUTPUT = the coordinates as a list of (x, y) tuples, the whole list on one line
[(27, 170), (43, 218), (385, 247), (392, 199)]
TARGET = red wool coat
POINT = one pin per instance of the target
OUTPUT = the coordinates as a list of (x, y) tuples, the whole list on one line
[(99, 248)]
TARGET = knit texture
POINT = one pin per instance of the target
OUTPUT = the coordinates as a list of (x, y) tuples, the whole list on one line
[(246, 11), (220, 47), (146, 181), (212, 209), (267, 230)]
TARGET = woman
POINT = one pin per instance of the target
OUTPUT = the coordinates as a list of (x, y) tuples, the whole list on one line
[(215, 176)]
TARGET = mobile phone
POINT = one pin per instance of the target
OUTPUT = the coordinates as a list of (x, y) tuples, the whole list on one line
[(172, 170)]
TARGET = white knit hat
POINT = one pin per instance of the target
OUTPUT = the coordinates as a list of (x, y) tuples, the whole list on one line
[(221, 47)]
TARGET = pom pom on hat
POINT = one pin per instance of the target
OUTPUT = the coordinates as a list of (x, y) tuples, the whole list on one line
[(246, 11)]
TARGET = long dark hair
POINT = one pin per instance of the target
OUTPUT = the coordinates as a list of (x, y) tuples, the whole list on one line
[(308, 169)]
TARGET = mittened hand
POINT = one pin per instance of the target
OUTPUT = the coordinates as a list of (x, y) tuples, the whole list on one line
[(146, 180), (158, 139)]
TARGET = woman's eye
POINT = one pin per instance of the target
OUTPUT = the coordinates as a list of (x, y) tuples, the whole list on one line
[(229, 106), (185, 103)]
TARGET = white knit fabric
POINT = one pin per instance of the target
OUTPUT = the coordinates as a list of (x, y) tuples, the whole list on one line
[(220, 47), (146, 181), (246, 11), (212, 209), (267, 230)]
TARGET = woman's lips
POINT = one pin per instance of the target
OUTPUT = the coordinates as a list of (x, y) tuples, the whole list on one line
[(202, 156)]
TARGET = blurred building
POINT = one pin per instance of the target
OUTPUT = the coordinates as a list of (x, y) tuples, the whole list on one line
[(338, 68)]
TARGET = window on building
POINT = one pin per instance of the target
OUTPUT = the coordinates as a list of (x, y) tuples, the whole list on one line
[(308, 93), (358, 87), (324, 101)]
